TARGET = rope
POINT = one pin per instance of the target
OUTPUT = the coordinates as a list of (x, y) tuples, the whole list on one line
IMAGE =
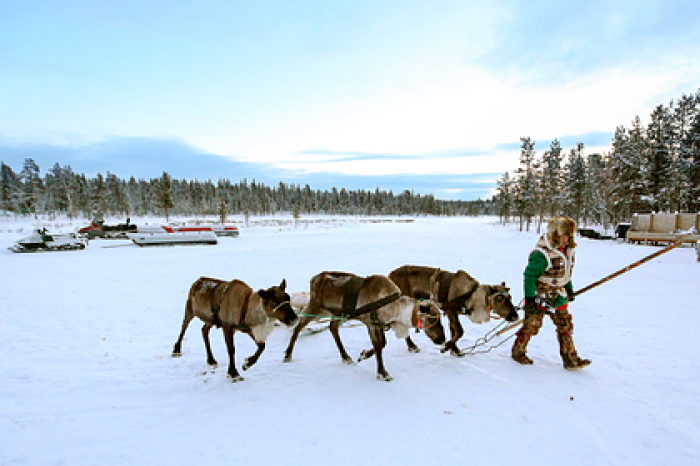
[(490, 335), (322, 318)]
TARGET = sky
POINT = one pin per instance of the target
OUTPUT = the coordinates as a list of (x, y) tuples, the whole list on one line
[(431, 96)]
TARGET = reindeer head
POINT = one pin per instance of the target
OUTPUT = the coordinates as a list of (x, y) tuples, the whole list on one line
[(277, 304), (500, 302), (430, 322)]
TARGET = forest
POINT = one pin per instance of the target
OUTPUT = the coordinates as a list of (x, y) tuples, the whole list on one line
[(652, 168), (61, 191)]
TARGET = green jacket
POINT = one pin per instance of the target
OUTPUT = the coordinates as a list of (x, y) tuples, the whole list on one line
[(536, 266)]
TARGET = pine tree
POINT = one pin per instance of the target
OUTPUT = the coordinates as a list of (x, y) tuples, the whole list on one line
[(504, 197), (551, 179), (658, 161), (575, 183), (627, 164), (61, 190), (163, 195), (29, 199), (526, 182), (691, 157), (595, 191), (687, 131), (222, 211), (115, 192), (9, 187)]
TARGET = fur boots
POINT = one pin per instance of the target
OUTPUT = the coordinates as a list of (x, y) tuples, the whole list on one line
[(565, 328), (531, 326)]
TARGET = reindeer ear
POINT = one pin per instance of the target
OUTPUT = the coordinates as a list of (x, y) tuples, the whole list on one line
[(283, 285)]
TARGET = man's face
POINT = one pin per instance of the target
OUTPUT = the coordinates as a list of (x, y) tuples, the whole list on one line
[(563, 240)]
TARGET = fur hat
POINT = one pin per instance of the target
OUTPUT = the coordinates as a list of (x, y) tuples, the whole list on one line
[(559, 226)]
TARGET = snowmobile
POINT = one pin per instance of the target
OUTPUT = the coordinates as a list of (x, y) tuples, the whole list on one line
[(98, 229), (42, 240)]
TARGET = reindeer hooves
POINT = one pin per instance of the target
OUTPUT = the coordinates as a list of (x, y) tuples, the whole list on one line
[(384, 377), (348, 361), (414, 349), (235, 378), (364, 355), (213, 363), (287, 359), (454, 351), (176, 354)]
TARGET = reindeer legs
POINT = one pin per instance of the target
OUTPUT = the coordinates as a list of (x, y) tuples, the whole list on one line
[(205, 336), (412, 347), (303, 322), (376, 334), (456, 332), (189, 315), (228, 336), (334, 326), (254, 358)]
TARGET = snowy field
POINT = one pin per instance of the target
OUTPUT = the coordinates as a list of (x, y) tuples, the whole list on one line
[(87, 377)]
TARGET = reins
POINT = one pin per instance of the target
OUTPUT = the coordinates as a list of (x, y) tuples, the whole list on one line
[(501, 328), (490, 335)]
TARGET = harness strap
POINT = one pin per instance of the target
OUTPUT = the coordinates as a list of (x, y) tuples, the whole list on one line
[(351, 290), (374, 306), (444, 282), (218, 295), (244, 311), (460, 301)]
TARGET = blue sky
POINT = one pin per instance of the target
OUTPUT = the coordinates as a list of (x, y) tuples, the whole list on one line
[(430, 96)]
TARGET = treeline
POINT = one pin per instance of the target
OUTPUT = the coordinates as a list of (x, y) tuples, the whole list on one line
[(649, 169), (61, 191)]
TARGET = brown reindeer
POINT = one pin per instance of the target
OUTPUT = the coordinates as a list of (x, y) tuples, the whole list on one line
[(374, 301), (456, 293), (234, 306)]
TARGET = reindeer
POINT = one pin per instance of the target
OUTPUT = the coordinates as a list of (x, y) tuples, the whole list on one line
[(375, 301), (456, 293), (232, 305)]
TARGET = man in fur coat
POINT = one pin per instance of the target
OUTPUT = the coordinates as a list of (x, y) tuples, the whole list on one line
[(547, 280)]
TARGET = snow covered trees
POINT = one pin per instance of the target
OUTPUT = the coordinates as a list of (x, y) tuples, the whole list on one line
[(648, 169), (62, 191)]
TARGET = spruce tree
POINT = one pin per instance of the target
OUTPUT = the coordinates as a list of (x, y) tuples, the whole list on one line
[(658, 161), (9, 187), (163, 195), (575, 183), (526, 182)]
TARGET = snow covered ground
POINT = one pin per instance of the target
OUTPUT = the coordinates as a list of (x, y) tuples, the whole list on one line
[(87, 377)]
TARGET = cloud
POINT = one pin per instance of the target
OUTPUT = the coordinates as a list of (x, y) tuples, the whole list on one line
[(459, 174), (331, 155), (147, 158), (140, 157), (592, 141), (547, 42)]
